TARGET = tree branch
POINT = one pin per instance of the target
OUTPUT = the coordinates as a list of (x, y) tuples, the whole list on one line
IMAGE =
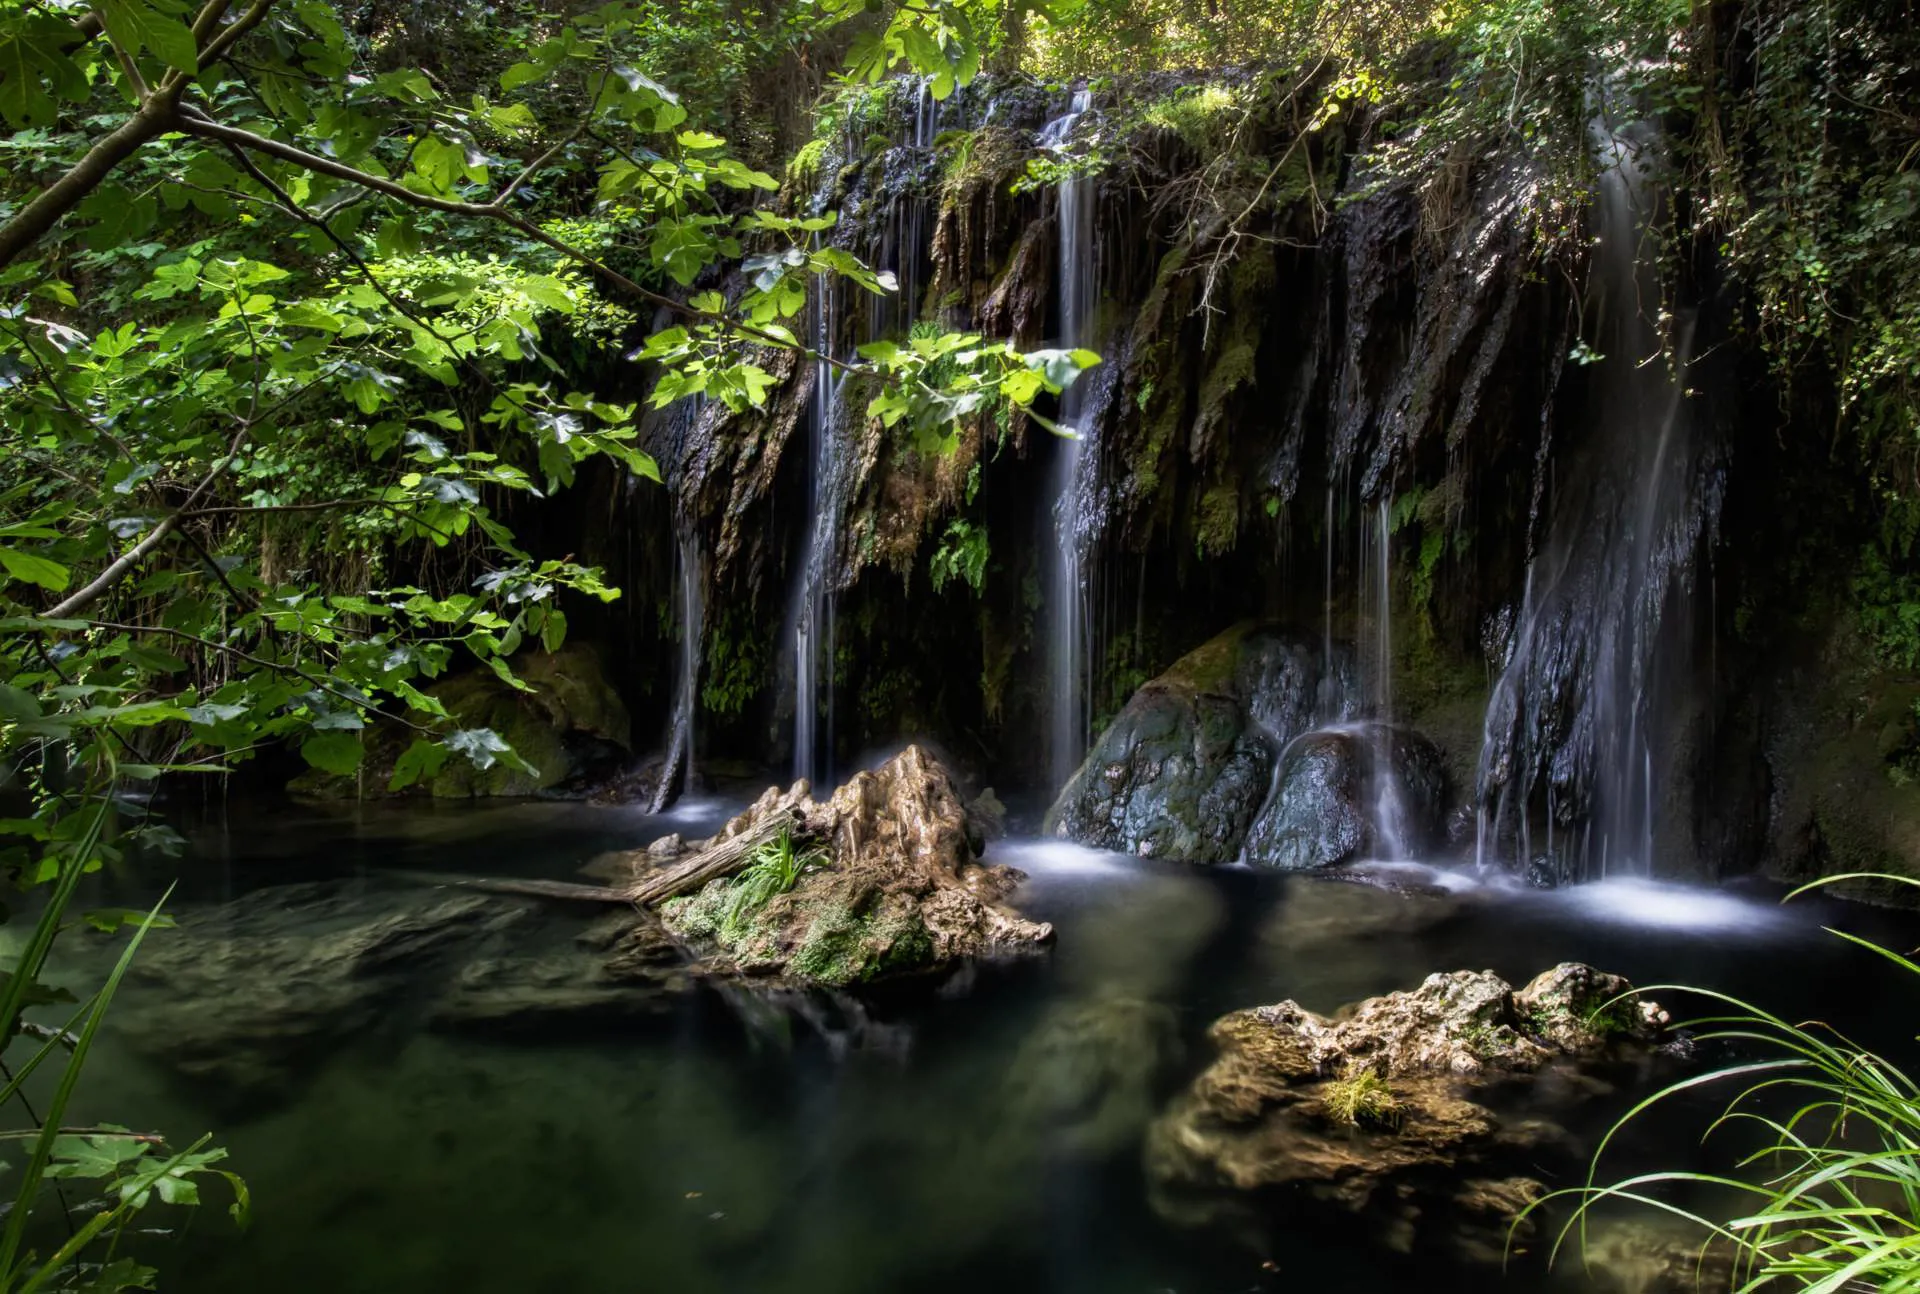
[(158, 113), (64, 194), (117, 569), (279, 667), (195, 122)]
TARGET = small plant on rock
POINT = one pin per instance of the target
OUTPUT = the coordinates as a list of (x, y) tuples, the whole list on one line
[(1361, 1100), (776, 867)]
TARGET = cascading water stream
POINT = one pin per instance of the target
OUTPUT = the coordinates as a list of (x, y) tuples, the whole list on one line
[(1389, 809), (1068, 612), (812, 637), (678, 772), (906, 241), (895, 243), (1580, 710)]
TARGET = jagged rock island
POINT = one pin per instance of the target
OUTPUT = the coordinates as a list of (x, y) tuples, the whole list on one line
[(879, 880)]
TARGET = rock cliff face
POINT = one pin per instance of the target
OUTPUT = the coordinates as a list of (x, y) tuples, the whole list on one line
[(1387, 1117), (1372, 406), (1214, 424)]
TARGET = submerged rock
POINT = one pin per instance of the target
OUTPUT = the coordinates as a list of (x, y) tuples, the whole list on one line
[(1630, 1256), (257, 992), (1184, 769), (1088, 1078), (620, 970), (1382, 1116), (888, 884), (257, 995), (1331, 804)]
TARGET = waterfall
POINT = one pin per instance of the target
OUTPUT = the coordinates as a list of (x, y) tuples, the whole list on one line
[(893, 240), (906, 246), (812, 636), (1579, 717), (677, 771), (1392, 832), (1068, 611)]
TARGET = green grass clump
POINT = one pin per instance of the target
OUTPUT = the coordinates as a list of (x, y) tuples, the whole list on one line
[(1361, 1100), (1829, 1182), (776, 867)]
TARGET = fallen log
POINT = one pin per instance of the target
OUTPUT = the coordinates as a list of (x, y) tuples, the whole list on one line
[(723, 857), (537, 889)]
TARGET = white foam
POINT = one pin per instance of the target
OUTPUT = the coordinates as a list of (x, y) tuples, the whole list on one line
[(1453, 880), (701, 808), (1043, 856), (1633, 901)]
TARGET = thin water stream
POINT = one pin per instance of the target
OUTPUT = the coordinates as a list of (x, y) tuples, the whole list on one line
[(1069, 613), (1580, 717), (811, 638), (677, 775)]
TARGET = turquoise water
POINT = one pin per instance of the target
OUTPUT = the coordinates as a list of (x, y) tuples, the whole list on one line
[(725, 1141)]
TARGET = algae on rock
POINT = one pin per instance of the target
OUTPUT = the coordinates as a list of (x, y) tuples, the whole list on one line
[(1262, 1131)]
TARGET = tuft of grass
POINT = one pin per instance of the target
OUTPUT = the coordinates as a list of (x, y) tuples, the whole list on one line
[(1829, 1187), (1361, 1100), (776, 867)]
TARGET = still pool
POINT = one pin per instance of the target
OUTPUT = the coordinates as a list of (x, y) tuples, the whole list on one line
[(809, 1144)]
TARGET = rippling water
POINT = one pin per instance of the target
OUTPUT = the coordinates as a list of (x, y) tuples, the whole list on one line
[(827, 1147)]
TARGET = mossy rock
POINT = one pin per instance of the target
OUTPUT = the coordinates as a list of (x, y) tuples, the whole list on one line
[(1184, 768), (1842, 757), (814, 933)]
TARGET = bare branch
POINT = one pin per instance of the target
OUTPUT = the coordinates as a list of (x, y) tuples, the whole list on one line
[(117, 569)]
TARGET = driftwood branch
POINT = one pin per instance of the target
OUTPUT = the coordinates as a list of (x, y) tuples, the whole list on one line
[(723, 857), (566, 890)]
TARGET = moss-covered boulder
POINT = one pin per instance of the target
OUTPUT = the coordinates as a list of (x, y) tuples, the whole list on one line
[(570, 724), (884, 882), (1184, 768)]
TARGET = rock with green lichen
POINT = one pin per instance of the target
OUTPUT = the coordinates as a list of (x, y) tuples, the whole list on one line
[(897, 891)]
